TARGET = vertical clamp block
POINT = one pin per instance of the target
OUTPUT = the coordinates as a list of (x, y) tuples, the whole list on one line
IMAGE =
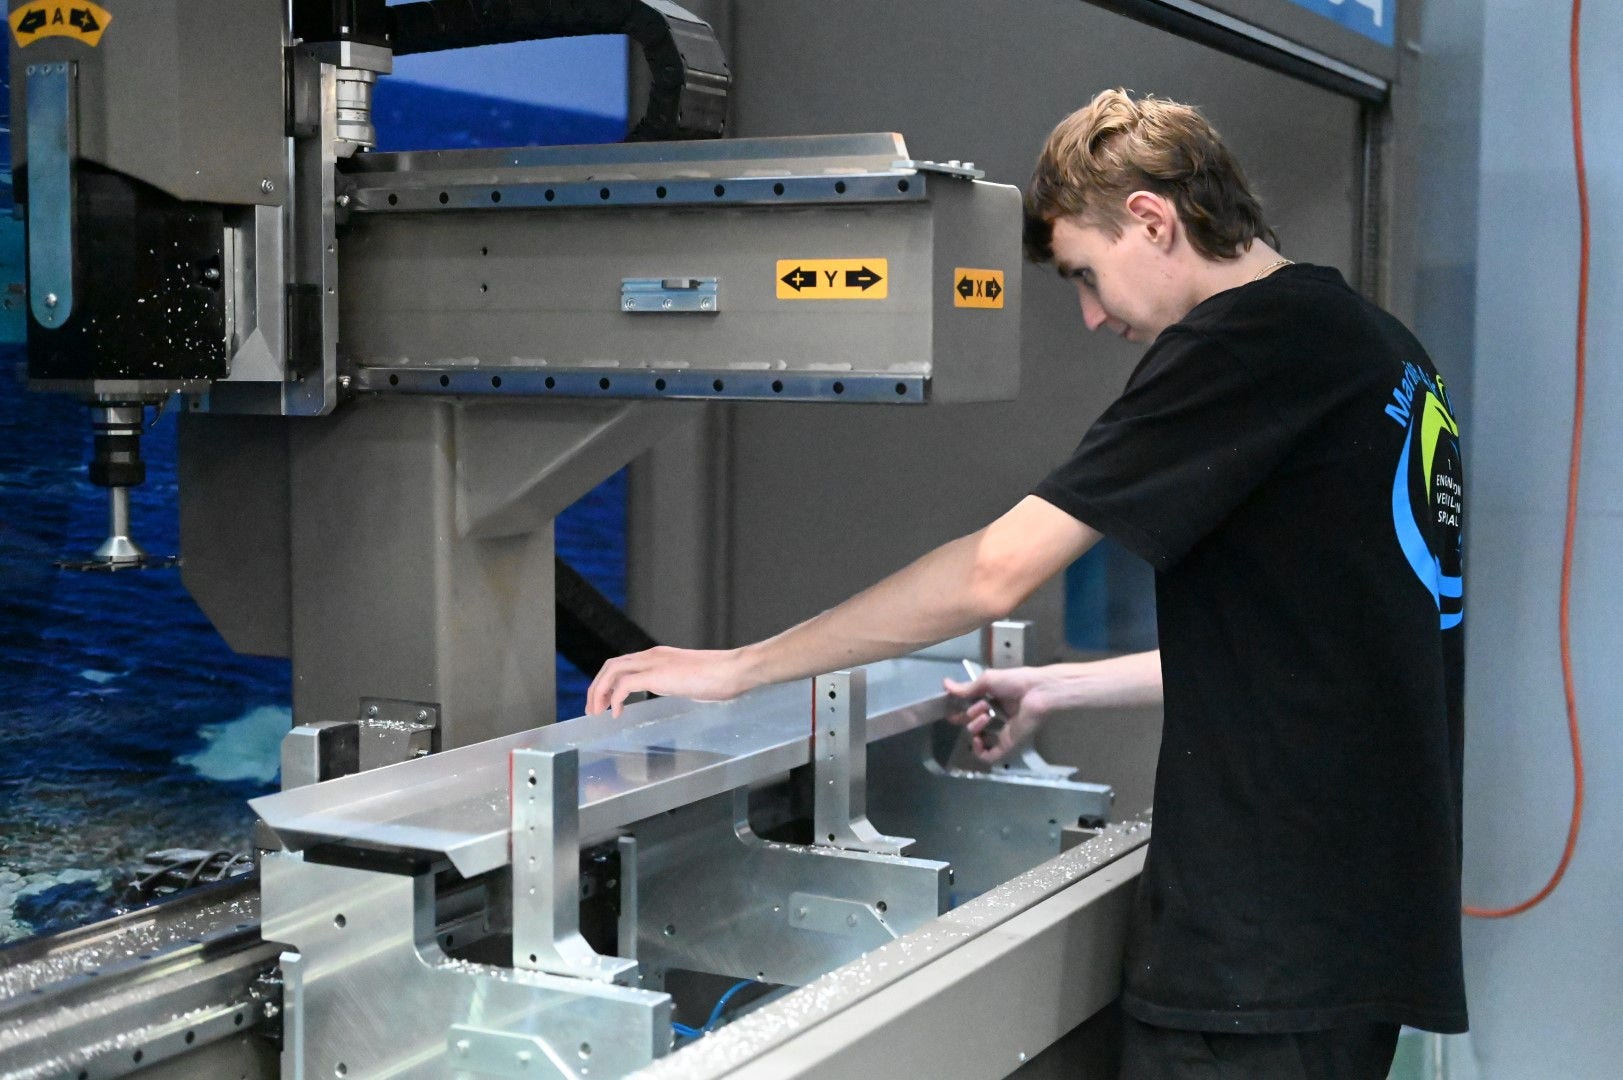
[(53, 143), (1008, 643), (545, 856), (840, 766)]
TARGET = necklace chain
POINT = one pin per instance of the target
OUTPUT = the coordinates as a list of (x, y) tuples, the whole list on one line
[(1270, 268)]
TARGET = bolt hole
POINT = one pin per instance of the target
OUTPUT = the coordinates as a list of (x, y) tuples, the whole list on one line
[(450, 939), (84, 1074), (551, 382), (901, 185), (659, 384), (585, 1051), (839, 388), (670, 929), (496, 381), (603, 384), (191, 1037), (394, 200), (532, 958), (901, 389), (881, 907), (137, 1056), (339, 920), (236, 1020), (777, 386), (777, 189), (444, 198), (532, 780), (832, 695), (719, 385), (495, 196), (839, 186), (484, 286), (549, 194), (394, 380), (341, 1069), (484, 251), (659, 192), (831, 838), (445, 380), (603, 193), (720, 191)]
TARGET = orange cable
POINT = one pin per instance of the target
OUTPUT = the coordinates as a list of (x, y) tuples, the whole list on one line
[(1572, 500)]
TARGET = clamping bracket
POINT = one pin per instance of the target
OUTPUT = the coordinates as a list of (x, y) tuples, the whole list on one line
[(840, 767), (545, 797)]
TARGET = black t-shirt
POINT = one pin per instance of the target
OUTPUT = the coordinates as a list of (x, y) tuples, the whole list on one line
[(1287, 459)]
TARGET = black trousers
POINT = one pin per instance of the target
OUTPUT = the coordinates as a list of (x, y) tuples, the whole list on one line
[(1357, 1052)]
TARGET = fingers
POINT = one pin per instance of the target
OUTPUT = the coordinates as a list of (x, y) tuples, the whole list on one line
[(977, 710), (990, 751), (614, 683)]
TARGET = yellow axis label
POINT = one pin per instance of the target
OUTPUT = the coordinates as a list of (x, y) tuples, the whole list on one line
[(977, 288), (833, 279), (80, 19)]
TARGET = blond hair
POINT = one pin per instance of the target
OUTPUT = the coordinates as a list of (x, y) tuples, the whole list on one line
[(1116, 145)]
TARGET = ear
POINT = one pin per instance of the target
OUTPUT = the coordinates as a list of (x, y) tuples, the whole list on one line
[(1155, 215)]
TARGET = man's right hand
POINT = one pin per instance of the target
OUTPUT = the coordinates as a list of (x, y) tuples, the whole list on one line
[(1020, 697)]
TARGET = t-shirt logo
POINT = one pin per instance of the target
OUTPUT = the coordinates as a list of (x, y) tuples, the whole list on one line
[(1427, 496)]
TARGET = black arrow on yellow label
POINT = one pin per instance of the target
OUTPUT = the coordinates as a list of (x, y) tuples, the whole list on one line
[(31, 21), (861, 279), (85, 20), (798, 279), (966, 287), (993, 289)]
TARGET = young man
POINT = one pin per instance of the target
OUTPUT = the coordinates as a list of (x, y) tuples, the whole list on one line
[(1286, 458)]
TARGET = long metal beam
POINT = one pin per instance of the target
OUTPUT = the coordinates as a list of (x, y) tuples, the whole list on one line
[(659, 755)]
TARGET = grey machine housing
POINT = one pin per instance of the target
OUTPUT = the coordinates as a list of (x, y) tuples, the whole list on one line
[(397, 369)]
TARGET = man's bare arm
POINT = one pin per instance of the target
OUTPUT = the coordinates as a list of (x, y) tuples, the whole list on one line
[(953, 589)]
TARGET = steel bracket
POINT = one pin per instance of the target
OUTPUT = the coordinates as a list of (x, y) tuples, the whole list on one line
[(545, 799), (737, 916), (840, 766), (366, 958)]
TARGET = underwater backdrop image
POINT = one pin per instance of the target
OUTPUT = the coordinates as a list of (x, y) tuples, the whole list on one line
[(129, 726)]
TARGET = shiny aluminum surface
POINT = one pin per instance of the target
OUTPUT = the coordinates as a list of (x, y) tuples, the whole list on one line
[(657, 756)]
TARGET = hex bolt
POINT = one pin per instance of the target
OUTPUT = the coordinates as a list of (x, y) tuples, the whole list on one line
[(343, 382), (629, 303), (267, 185), (800, 913), (371, 710), (706, 304), (422, 715), (666, 303), (51, 299), (342, 201)]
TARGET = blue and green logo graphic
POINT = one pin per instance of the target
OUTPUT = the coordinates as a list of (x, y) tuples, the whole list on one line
[(1428, 497)]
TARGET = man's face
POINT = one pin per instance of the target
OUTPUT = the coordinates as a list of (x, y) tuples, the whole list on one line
[(1124, 283)]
